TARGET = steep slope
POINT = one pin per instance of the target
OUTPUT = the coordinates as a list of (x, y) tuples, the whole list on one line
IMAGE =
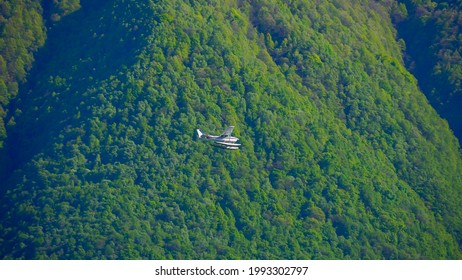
[(342, 156), (431, 30), (21, 33)]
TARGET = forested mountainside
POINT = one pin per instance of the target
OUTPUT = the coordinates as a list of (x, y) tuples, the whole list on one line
[(342, 156), (22, 33), (432, 32)]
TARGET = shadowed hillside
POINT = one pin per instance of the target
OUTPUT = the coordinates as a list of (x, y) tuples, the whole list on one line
[(342, 156), (432, 33)]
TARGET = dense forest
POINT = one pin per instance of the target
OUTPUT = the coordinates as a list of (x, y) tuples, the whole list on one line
[(342, 155), (22, 33), (432, 31)]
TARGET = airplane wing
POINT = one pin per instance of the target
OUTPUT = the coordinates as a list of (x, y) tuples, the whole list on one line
[(228, 131)]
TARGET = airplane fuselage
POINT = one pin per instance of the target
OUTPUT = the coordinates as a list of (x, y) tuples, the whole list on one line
[(225, 140), (228, 139)]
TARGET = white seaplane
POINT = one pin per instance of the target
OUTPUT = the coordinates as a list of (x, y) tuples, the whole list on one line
[(225, 140)]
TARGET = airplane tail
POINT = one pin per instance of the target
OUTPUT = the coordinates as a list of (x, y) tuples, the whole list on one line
[(199, 133)]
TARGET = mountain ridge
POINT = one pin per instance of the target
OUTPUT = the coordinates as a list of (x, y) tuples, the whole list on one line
[(342, 156)]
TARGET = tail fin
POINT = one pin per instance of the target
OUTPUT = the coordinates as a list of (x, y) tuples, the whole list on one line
[(199, 133)]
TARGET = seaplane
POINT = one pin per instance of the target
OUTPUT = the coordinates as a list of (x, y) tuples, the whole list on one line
[(225, 140)]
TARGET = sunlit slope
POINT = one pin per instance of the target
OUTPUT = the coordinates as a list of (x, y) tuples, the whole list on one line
[(342, 157)]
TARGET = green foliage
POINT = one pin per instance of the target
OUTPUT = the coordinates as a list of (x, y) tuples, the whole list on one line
[(431, 30), (21, 34), (60, 8), (342, 157)]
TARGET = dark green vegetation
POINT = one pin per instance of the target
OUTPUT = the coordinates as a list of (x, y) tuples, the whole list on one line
[(342, 156), (21, 33), (432, 31)]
